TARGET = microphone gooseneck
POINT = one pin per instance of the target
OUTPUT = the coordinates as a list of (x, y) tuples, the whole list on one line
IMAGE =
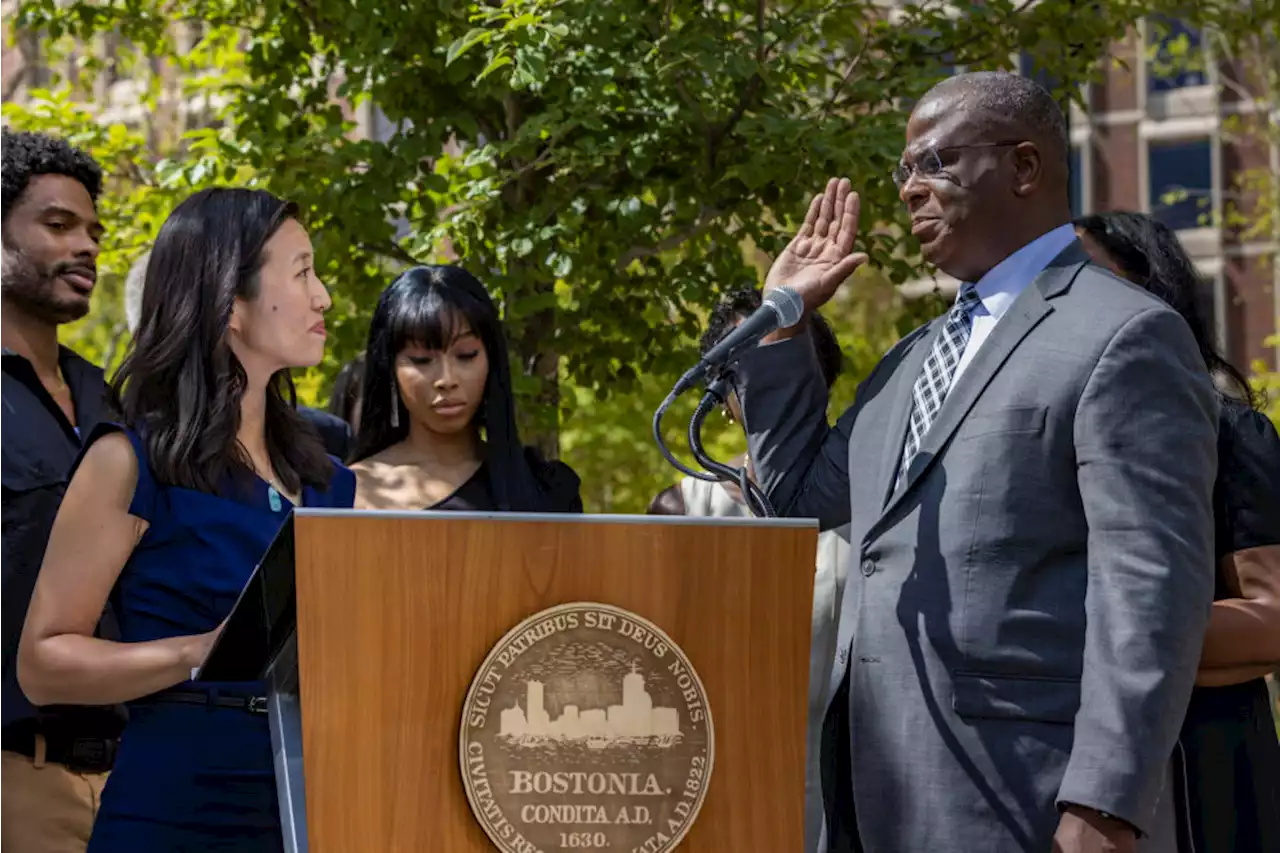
[(717, 391), (782, 309)]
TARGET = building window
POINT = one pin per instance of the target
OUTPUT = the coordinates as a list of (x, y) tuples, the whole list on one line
[(1076, 182), (1174, 59), (1181, 181)]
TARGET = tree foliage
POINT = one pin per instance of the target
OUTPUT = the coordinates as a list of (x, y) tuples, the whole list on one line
[(1242, 42), (607, 168), (150, 164)]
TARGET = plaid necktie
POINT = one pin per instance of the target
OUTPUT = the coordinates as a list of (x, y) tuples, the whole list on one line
[(934, 380)]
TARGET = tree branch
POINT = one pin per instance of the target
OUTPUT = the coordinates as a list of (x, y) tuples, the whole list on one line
[(798, 22), (393, 251), (692, 103), (133, 172), (954, 49), (12, 81), (312, 17), (760, 51), (717, 135), (844, 79), (706, 218), (19, 76)]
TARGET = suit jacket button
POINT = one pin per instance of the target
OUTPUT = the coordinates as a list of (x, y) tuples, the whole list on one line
[(868, 567)]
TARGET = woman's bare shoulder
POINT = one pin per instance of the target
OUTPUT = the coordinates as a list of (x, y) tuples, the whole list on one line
[(381, 483)]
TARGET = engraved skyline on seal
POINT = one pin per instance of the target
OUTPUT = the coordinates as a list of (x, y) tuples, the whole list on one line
[(635, 721), (586, 727)]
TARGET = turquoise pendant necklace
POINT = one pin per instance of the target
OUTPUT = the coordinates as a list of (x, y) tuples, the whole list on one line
[(274, 499)]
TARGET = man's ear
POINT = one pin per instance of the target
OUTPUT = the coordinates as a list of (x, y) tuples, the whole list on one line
[(1028, 169)]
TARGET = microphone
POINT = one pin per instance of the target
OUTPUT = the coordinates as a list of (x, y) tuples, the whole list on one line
[(782, 309)]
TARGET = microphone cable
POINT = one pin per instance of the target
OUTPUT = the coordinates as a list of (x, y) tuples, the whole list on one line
[(715, 394)]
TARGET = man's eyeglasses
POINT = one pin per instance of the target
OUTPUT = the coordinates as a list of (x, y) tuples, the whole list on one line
[(928, 164)]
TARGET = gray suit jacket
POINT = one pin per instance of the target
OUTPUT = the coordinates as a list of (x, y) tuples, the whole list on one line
[(1024, 615)]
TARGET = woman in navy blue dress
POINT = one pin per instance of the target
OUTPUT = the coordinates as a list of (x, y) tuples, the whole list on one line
[(438, 422), (168, 513)]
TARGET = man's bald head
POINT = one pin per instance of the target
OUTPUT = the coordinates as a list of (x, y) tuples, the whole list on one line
[(984, 170), (1009, 105)]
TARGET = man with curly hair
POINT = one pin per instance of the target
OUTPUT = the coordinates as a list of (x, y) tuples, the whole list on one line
[(55, 760)]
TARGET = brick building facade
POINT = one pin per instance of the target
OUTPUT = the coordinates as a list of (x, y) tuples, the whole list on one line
[(1162, 143)]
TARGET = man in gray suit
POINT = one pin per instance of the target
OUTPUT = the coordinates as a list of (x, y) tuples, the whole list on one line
[(1028, 481)]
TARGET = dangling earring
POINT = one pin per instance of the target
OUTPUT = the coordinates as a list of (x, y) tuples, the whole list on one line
[(395, 405)]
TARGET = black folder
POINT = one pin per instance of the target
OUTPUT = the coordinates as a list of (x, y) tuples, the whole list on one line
[(263, 619)]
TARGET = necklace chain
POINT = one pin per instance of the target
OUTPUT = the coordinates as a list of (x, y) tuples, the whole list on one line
[(62, 380)]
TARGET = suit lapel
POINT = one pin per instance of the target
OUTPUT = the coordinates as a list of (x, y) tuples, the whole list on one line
[(1031, 306)]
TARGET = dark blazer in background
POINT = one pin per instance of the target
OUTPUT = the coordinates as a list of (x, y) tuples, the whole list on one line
[(334, 431)]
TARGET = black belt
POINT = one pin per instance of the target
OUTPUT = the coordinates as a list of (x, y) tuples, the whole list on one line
[(250, 704), (81, 754)]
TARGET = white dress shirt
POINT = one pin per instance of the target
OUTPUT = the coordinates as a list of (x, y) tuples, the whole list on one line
[(1003, 282)]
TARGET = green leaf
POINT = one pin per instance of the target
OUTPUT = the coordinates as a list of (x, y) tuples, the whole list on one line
[(497, 62), (460, 46)]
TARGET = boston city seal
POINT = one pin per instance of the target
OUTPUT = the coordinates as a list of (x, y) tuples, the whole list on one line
[(586, 728)]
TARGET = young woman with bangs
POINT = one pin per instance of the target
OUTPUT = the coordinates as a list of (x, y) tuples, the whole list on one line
[(437, 419)]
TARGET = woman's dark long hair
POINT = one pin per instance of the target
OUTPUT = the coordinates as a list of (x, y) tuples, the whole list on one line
[(426, 306), (180, 385), (1149, 253), (344, 397)]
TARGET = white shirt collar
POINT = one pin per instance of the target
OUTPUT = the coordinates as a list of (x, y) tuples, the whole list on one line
[(1003, 282)]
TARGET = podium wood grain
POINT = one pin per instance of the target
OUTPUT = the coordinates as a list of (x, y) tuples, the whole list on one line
[(396, 614)]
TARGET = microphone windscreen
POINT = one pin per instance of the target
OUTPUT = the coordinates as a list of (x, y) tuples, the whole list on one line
[(787, 304)]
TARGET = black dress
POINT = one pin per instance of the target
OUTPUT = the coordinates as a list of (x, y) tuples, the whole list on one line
[(1228, 747), (557, 483)]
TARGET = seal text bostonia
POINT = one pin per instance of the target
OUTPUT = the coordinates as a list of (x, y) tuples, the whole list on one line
[(586, 727)]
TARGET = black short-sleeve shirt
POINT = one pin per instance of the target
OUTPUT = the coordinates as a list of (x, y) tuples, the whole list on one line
[(39, 448)]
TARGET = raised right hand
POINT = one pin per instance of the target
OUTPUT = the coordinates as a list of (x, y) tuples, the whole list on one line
[(820, 257)]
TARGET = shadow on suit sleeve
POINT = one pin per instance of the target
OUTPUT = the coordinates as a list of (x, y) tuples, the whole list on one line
[(1146, 454)]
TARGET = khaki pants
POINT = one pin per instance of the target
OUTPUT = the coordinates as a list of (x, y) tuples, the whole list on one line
[(46, 808)]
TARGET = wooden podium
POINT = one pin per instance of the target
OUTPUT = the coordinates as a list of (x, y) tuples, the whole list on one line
[(395, 613)]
